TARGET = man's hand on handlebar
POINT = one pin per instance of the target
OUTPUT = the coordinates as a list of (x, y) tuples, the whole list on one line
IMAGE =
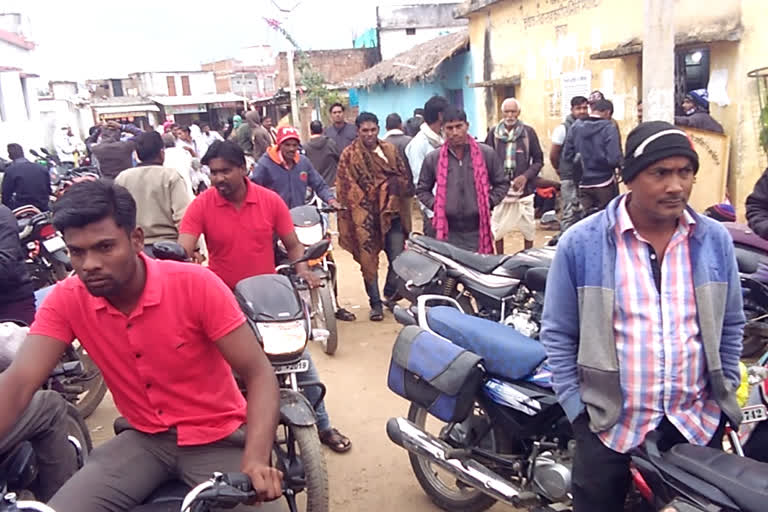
[(307, 275), (267, 481)]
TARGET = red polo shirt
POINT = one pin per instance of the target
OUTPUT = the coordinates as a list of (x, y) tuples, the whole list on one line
[(160, 362), (240, 242)]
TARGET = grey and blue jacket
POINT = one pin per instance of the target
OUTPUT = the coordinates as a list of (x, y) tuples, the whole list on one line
[(577, 323)]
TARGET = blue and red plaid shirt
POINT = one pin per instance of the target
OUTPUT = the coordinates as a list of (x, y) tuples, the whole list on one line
[(661, 356)]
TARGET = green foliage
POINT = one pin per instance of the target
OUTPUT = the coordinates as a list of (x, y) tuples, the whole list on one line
[(764, 128)]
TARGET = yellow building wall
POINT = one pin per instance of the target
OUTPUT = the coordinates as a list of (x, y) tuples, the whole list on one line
[(539, 40)]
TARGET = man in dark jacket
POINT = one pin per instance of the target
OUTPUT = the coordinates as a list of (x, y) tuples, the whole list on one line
[(342, 132), (284, 170), (517, 147), (114, 155), (17, 298), (757, 207), (395, 135), (461, 197), (323, 153), (25, 182), (595, 143), (696, 108), (413, 124)]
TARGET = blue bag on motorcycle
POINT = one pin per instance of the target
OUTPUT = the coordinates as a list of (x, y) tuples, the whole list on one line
[(434, 374)]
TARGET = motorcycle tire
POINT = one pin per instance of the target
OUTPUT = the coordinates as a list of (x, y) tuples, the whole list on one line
[(325, 316), (77, 429), (466, 499), (94, 384), (755, 332), (315, 471)]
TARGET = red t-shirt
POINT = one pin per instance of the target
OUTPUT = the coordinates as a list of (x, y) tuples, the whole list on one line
[(160, 362), (240, 242)]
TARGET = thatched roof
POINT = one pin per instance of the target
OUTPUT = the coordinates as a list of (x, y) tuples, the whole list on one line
[(418, 63)]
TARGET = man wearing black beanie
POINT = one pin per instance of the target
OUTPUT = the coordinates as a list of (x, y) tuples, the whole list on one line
[(644, 331)]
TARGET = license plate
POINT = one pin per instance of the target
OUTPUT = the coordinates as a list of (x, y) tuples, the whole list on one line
[(54, 244), (754, 414), (299, 367)]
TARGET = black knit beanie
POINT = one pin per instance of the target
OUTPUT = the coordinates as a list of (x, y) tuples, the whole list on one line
[(653, 141)]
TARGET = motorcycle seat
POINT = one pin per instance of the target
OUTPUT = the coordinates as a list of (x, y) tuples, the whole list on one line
[(536, 279), (747, 261), (506, 353), (518, 264), (484, 263), (740, 478)]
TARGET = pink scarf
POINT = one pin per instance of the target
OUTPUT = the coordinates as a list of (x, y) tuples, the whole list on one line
[(440, 221)]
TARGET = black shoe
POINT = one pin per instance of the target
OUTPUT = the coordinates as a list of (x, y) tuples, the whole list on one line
[(345, 315), (377, 314), (391, 302)]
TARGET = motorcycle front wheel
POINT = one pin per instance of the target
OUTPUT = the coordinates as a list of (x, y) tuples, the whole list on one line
[(77, 429), (300, 456), (444, 489), (84, 391), (325, 315)]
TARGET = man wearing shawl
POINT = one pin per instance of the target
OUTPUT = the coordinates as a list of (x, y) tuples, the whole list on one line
[(373, 184), (470, 182), (517, 146)]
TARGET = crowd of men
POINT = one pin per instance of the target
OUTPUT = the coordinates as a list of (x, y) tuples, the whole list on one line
[(471, 194)]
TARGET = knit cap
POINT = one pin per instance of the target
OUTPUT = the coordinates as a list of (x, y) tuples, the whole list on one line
[(653, 141)]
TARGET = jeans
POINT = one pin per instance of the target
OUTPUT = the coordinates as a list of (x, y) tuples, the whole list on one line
[(313, 393), (595, 199), (44, 424), (571, 204), (394, 243), (601, 476)]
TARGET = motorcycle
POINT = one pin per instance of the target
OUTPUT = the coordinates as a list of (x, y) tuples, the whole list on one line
[(753, 432), (504, 288), (282, 324), (47, 260), (752, 257), (484, 425), (311, 227)]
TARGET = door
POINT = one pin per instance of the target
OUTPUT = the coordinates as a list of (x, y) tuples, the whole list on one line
[(185, 91), (171, 80)]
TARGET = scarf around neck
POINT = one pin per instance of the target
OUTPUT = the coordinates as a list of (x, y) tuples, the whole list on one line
[(434, 138), (440, 220), (510, 139)]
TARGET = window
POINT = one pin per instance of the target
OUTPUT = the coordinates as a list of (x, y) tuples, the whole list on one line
[(171, 81), (117, 88), (691, 72), (185, 90), (410, 31), (25, 94)]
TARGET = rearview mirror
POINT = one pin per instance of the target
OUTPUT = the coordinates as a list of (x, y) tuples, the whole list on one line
[(314, 251)]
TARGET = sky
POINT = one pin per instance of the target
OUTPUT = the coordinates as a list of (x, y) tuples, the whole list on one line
[(79, 39)]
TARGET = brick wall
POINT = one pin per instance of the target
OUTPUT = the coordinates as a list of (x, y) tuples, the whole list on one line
[(335, 65)]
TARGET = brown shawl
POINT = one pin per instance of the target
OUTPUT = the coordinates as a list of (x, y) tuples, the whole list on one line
[(374, 192)]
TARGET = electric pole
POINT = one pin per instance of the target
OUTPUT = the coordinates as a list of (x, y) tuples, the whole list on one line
[(659, 61)]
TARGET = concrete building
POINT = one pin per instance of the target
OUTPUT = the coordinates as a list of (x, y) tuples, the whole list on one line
[(174, 83), (19, 110), (442, 66), (251, 81), (545, 52), (112, 88), (401, 27), (66, 103)]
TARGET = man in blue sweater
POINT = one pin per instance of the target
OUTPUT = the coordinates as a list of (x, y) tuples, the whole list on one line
[(284, 170), (643, 320)]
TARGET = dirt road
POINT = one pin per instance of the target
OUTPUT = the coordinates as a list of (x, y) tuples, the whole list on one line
[(375, 475)]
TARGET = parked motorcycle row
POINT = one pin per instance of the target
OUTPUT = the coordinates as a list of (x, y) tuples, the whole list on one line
[(484, 424)]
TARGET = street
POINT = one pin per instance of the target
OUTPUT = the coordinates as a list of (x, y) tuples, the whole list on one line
[(375, 474)]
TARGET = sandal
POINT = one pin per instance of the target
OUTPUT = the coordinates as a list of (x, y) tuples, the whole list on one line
[(376, 315), (335, 440), (345, 315)]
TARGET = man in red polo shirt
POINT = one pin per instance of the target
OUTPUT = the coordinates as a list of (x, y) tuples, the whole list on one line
[(166, 336), (240, 221)]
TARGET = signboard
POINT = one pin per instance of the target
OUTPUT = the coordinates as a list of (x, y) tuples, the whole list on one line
[(185, 109), (576, 83), (121, 115), (712, 179)]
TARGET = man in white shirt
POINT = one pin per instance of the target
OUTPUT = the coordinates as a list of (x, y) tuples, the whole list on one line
[(427, 140), (67, 144), (207, 136)]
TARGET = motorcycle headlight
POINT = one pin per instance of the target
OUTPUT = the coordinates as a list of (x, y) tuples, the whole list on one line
[(283, 337), (309, 235)]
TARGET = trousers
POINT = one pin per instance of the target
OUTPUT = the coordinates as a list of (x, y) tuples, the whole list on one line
[(393, 246), (571, 204), (121, 473)]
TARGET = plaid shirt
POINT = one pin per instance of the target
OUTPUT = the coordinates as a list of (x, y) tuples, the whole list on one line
[(661, 356)]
